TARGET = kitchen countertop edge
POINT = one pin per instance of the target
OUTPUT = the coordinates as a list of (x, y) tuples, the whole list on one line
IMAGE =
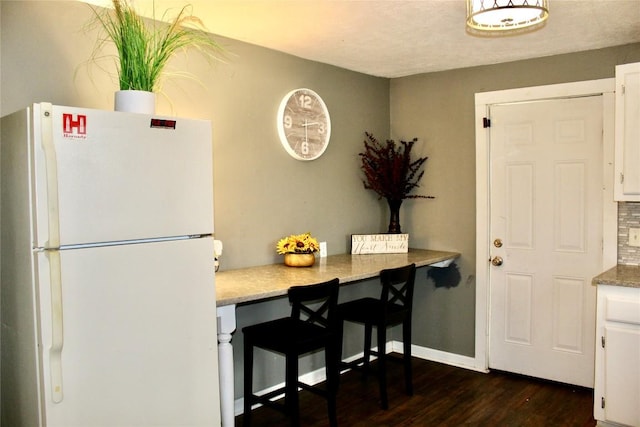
[(620, 275), (269, 281)]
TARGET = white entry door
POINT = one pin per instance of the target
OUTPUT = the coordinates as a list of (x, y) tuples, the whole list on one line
[(546, 236)]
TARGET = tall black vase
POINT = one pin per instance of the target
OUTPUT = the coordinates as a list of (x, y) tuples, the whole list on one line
[(394, 220)]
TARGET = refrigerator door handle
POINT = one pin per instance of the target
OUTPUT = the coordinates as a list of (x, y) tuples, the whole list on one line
[(51, 166), (57, 332)]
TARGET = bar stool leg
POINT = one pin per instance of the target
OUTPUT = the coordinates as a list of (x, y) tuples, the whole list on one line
[(338, 350), (382, 365), (367, 349), (291, 389), (408, 370), (248, 382), (333, 372)]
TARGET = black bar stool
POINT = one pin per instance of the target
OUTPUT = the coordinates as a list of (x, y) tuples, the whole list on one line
[(393, 308), (311, 326)]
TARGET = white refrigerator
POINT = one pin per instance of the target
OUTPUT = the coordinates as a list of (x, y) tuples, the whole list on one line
[(108, 294)]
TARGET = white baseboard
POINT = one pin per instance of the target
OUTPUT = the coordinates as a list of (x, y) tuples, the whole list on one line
[(425, 353), (439, 356)]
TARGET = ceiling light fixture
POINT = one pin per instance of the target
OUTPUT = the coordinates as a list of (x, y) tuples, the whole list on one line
[(505, 15)]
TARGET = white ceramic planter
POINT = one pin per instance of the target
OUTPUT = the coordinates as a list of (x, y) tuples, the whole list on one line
[(135, 101)]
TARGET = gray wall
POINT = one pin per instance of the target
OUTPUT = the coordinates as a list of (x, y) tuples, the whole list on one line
[(262, 194), (439, 109)]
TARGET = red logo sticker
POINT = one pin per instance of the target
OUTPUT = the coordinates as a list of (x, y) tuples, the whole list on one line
[(74, 126)]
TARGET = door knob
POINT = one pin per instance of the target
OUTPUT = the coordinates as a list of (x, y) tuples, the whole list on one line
[(497, 261), (497, 243)]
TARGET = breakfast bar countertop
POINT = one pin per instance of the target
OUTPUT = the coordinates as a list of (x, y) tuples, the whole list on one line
[(620, 275), (273, 280)]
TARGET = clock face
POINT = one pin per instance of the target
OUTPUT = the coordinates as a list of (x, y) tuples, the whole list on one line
[(304, 125)]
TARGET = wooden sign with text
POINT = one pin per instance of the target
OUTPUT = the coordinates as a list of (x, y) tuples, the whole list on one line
[(362, 244)]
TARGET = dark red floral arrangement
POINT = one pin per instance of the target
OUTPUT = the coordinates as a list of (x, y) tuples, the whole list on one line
[(389, 170)]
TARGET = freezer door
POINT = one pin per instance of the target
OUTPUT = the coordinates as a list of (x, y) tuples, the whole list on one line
[(139, 344), (103, 176)]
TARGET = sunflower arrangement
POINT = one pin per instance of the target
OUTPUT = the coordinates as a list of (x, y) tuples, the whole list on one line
[(298, 243)]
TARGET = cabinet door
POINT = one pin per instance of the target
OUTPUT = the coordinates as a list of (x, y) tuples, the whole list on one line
[(622, 374), (627, 133)]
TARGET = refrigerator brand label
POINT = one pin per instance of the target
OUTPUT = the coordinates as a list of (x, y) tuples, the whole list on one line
[(74, 127), (163, 124)]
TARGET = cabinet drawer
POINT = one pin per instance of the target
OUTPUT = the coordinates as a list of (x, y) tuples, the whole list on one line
[(622, 310)]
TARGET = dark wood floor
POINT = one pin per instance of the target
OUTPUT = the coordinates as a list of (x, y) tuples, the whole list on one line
[(446, 396)]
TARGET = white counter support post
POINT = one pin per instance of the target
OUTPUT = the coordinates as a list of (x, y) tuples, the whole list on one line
[(226, 326)]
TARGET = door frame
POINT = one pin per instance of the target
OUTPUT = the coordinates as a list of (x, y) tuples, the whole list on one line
[(604, 87)]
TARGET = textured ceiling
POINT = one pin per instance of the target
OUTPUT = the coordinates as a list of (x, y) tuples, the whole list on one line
[(395, 38)]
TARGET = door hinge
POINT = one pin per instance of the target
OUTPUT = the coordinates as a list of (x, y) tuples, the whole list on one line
[(602, 341), (621, 178), (623, 89), (602, 402), (486, 122)]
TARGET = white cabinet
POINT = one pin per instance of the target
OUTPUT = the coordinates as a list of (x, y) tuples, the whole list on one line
[(617, 381), (627, 133)]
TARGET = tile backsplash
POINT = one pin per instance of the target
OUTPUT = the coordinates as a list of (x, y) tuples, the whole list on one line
[(628, 217)]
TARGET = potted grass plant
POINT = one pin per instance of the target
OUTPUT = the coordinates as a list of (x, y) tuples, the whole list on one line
[(145, 47)]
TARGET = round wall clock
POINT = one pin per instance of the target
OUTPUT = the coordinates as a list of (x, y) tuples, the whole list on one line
[(304, 125)]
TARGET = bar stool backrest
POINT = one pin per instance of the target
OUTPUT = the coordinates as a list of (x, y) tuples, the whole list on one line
[(397, 288), (315, 304)]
